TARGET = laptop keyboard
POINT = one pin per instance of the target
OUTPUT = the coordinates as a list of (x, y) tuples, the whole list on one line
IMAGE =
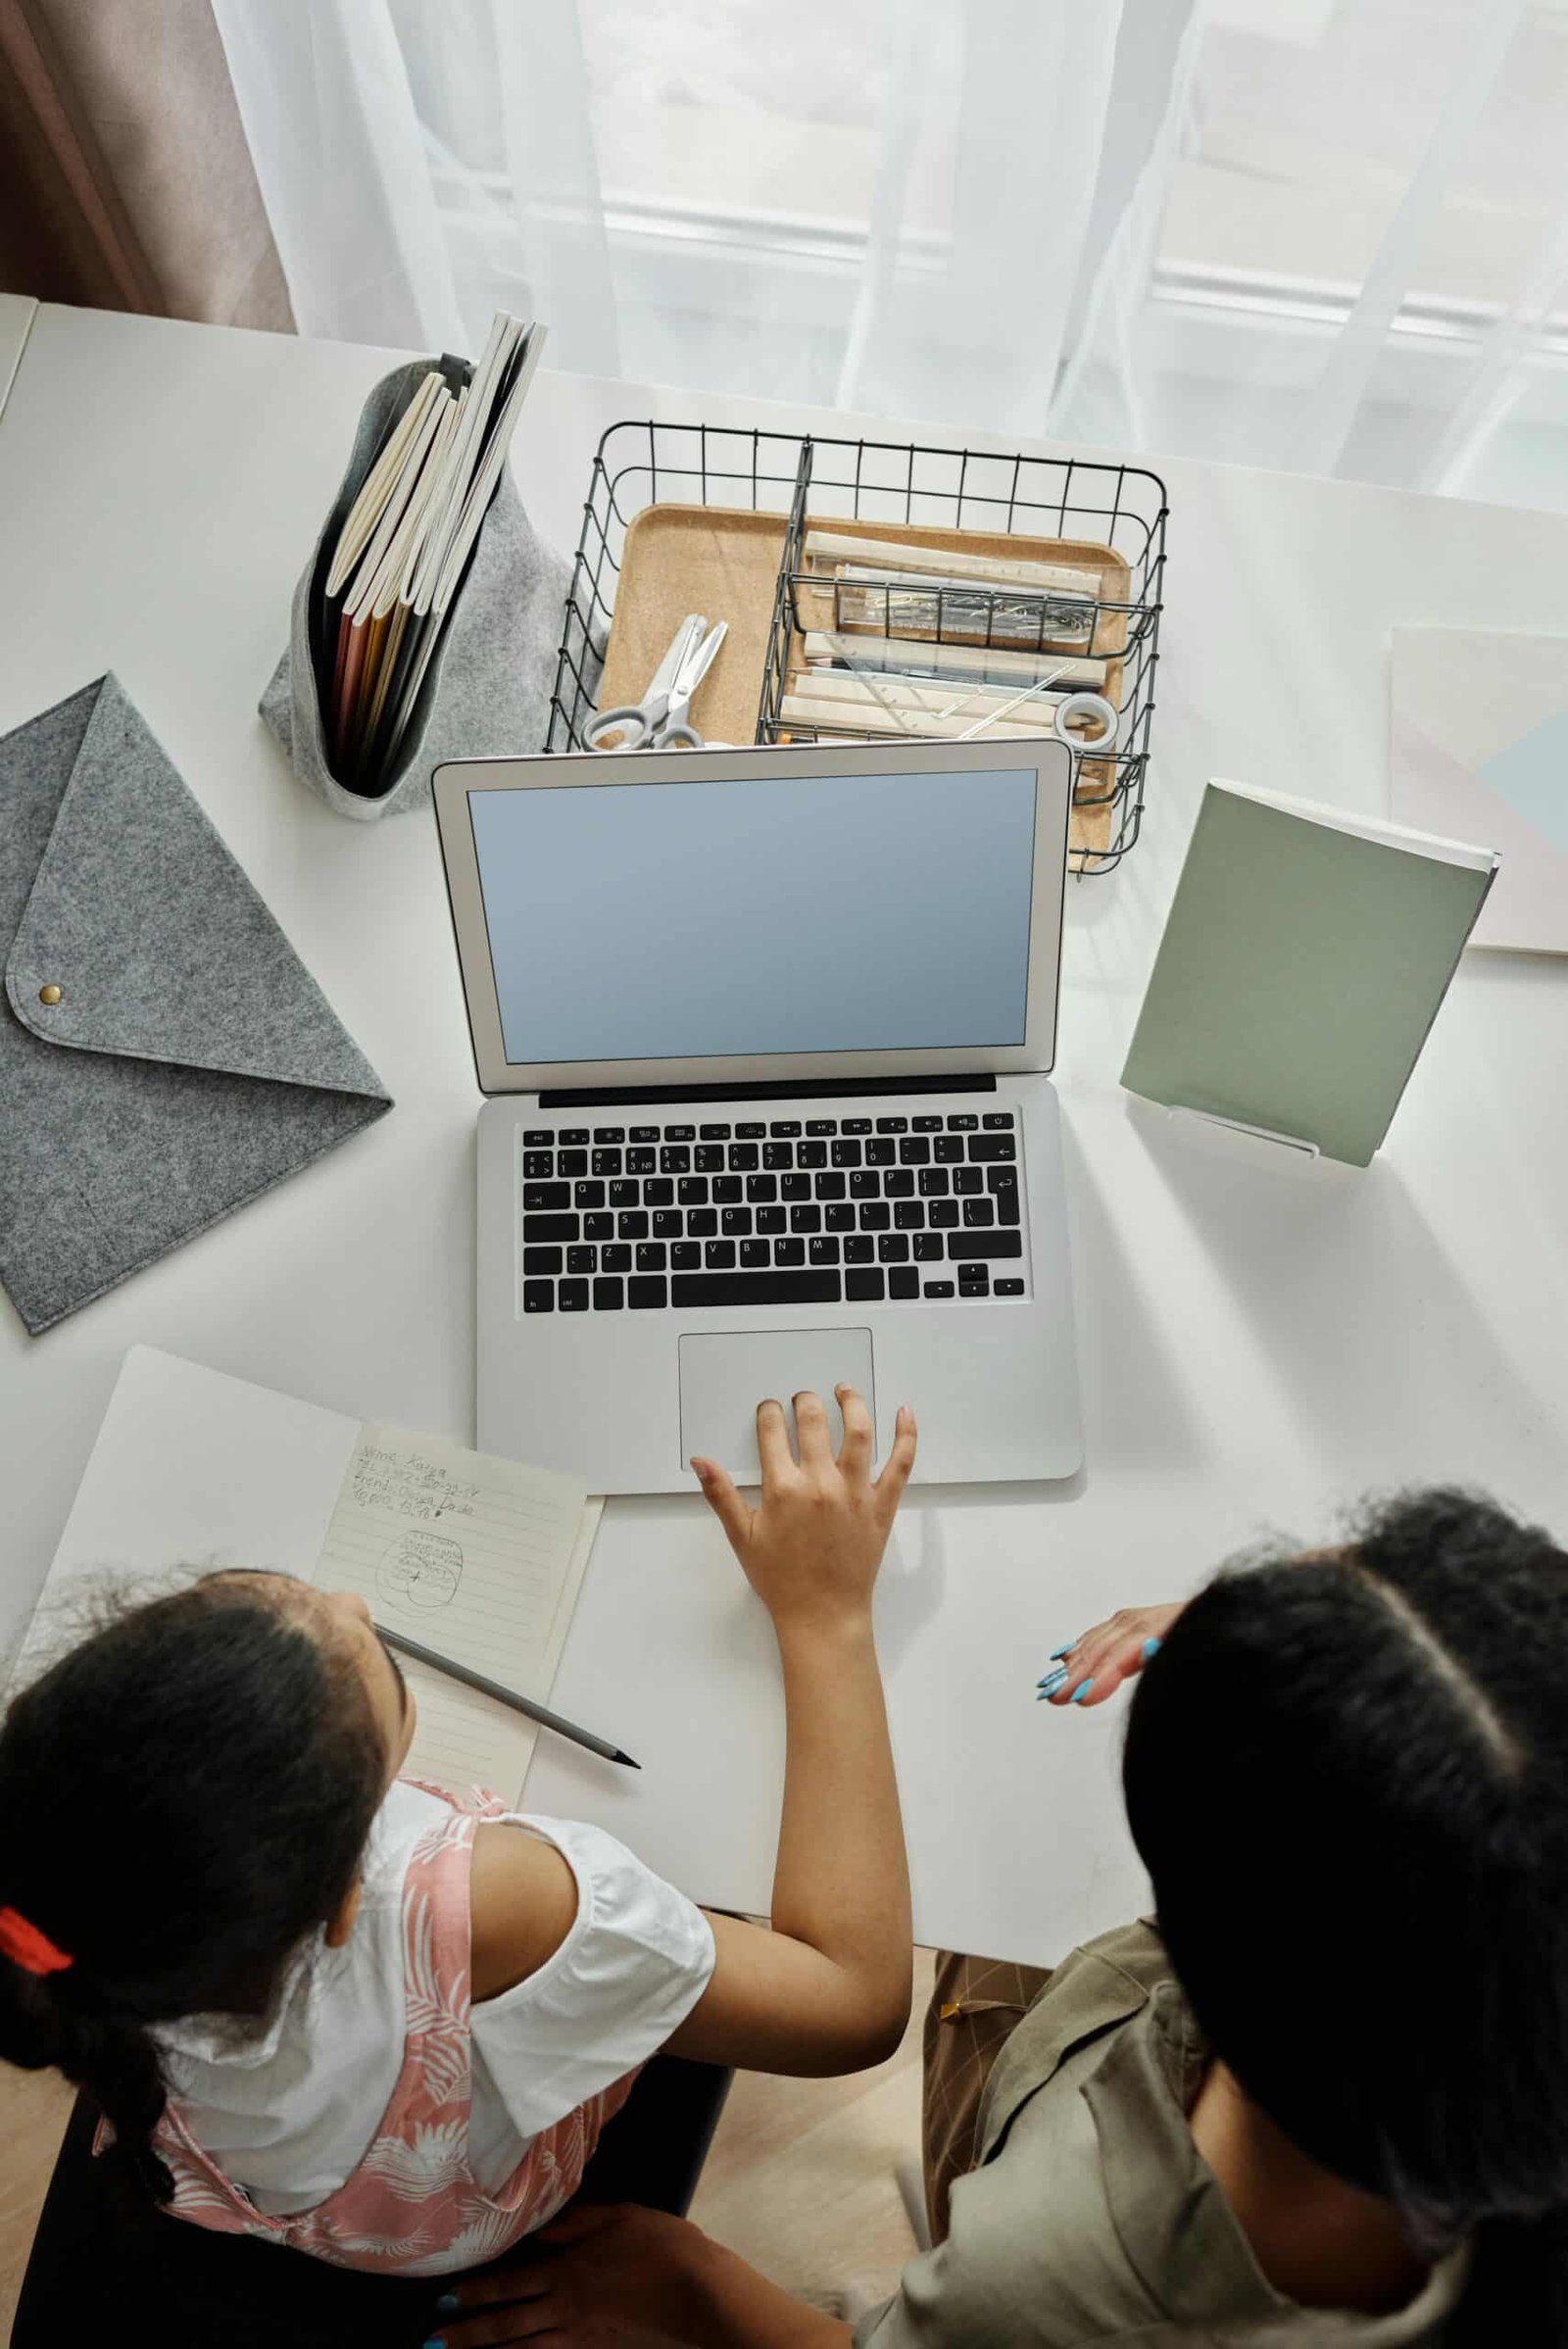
[(781, 1212)]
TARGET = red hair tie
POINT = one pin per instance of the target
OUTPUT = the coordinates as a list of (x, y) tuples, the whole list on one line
[(28, 1947)]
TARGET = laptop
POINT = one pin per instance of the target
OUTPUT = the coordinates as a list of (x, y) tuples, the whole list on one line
[(767, 1037)]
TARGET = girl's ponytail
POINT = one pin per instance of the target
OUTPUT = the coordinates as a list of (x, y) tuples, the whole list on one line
[(113, 2059)]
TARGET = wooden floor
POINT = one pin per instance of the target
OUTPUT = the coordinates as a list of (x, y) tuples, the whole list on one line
[(801, 2179)]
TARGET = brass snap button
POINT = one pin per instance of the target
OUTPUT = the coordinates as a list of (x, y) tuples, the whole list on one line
[(49, 993)]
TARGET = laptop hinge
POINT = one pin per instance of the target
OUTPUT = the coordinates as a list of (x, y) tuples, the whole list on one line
[(616, 1097)]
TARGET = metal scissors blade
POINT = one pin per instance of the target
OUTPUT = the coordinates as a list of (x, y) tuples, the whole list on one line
[(638, 725)]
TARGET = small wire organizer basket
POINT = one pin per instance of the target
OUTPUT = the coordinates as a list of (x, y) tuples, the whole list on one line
[(773, 488)]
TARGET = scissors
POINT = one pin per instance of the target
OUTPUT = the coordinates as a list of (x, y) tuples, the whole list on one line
[(659, 721)]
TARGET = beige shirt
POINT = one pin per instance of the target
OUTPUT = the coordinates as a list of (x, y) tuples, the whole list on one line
[(1090, 2216)]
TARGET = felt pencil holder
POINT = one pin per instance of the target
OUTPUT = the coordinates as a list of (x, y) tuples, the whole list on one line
[(487, 690)]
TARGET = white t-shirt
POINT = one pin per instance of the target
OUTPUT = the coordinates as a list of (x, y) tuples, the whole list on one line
[(288, 2113)]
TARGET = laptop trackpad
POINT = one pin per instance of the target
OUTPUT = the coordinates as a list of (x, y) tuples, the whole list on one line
[(724, 1377)]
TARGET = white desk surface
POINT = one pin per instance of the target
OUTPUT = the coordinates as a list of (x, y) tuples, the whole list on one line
[(17, 314), (1259, 1344)]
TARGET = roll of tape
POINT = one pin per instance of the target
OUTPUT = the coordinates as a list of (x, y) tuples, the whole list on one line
[(1091, 706)]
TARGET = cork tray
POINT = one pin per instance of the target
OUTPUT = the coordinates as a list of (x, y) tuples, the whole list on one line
[(724, 562)]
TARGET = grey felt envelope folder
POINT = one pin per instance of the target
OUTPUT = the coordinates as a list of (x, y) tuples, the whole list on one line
[(164, 1056)]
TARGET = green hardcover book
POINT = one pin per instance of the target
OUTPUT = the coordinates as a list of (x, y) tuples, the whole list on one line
[(1303, 961)]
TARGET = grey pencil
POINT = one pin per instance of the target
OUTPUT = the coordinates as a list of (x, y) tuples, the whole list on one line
[(508, 1696)]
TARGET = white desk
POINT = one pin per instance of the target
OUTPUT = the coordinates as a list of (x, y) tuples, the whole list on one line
[(17, 314), (1258, 1345)]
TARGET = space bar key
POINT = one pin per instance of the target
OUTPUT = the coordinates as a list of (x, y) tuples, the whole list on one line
[(755, 1289)]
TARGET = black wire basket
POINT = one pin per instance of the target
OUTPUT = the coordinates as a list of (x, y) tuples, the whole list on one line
[(815, 483)]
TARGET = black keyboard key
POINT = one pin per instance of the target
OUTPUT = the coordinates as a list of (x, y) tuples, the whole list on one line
[(678, 1134), (599, 1227), (928, 1247), (761, 1190), (668, 1223), (824, 1249), (545, 1196), (582, 1260), (1007, 1207), (914, 1151), (777, 1156), (643, 1296), (641, 1161), (707, 1158), (966, 1181), (947, 1148), (772, 1220), (903, 1282), (899, 1183), (838, 1215), (587, 1193), (702, 1223), (1007, 1288), (933, 1181), (865, 1183), (892, 1125), (676, 1158), (1001, 1178), (963, 1121), (855, 1125), (987, 1149), (784, 1129), (908, 1215), (806, 1216), (692, 1191), (538, 1165), (538, 1297), (609, 1295), (573, 1136), (573, 1296), (614, 1256), (938, 1289), (969, 1245), (539, 1138), (615, 1134), (875, 1216), (728, 1190), (755, 1253), (652, 1255), (927, 1125), (540, 1262), (879, 1151), (750, 1133), (864, 1288), (803, 1287), (830, 1183), (742, 1156), (720, 1255), (549, 1231), (846, 1154), (978, 1211), (572, 1163), (736, 1223), (657, 1190), (789, 1252), (795, 1186), (942, 1213), (644, 1134), (860, 1248), (625, 1192), (712, 1133), (892, 1248), (685, 1256), (822, 1125), (974, 1288), (811, 1153), (997, 1121)]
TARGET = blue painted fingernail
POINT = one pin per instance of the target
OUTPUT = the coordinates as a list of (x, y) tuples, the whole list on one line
[(1151, 1648), (448, 2304), (1082, 1690), (1057, 1653), (1052, 1682)]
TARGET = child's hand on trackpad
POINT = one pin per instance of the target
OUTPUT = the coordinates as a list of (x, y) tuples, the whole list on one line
[(812, 1550)]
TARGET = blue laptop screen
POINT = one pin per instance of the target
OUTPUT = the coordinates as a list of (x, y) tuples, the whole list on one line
[(802, 914)]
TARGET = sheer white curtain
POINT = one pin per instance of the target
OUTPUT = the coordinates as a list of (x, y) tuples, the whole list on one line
[(1328, 234)]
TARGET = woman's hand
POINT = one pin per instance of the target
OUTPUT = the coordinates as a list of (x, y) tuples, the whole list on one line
[(1089, 1670), (601, 2273), (811, 1552)]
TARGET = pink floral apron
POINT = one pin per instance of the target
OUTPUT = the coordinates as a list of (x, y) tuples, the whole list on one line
[(412, 2206)]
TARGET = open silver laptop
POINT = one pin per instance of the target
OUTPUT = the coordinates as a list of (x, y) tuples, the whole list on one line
[(766, 1034)]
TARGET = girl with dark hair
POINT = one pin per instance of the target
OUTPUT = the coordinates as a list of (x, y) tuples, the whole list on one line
[(1322, 2096), (324, 2006)]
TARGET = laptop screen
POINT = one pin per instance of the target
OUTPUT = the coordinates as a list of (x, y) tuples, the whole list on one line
[(789, 913)]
